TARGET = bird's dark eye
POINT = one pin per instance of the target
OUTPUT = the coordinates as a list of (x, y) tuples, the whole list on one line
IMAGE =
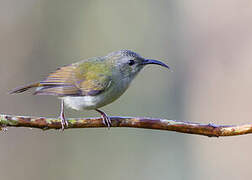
[(131, 62)]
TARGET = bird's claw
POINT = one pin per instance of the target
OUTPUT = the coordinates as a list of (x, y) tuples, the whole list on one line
[(105, 119), (64, 123)]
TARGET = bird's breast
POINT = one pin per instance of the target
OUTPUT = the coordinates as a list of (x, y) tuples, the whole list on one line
[(116, 89)]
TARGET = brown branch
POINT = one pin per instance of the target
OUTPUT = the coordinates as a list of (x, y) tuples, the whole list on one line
[(209, 130)]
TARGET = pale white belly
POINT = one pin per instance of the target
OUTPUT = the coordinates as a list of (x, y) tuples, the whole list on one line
[(93, 102), (81, 102)]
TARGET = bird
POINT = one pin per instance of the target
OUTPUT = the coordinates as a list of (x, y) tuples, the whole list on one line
[(91, 83)]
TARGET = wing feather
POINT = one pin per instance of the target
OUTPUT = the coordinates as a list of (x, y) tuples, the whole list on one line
[(76, 80)]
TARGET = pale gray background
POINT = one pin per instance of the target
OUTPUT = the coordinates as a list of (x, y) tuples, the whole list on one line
[(208, 45)]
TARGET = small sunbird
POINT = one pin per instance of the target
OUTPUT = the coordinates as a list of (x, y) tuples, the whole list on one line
[(92, 83)]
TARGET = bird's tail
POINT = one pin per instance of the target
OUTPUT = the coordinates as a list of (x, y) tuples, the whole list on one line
[(24, 88)]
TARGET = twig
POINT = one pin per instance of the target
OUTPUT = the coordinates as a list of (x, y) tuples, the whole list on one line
[(209, 130)]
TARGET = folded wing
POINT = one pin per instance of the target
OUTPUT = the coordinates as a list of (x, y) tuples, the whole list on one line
[(82, 79)]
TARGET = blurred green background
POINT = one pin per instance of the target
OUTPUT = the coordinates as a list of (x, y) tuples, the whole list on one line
[(208, 45)]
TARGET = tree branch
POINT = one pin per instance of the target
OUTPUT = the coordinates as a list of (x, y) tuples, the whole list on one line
[(209, 130)]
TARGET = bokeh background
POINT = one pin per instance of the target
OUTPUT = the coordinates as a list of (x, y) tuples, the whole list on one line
[(208, 44)]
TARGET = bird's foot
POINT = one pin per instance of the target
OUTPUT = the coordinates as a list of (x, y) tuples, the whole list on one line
[(105, 119), (64, 123)]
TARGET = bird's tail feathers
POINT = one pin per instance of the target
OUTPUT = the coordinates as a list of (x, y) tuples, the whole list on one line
[(24, 88)]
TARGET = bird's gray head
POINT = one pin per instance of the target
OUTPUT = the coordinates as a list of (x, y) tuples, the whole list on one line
[(130, 63)]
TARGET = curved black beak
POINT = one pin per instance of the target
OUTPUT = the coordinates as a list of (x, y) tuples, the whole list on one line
[(152, 61)]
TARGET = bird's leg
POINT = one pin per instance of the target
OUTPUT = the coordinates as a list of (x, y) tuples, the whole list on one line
[(105, 119), (64, 122)]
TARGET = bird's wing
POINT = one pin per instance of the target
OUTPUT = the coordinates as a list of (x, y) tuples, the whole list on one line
[(87, 78)]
